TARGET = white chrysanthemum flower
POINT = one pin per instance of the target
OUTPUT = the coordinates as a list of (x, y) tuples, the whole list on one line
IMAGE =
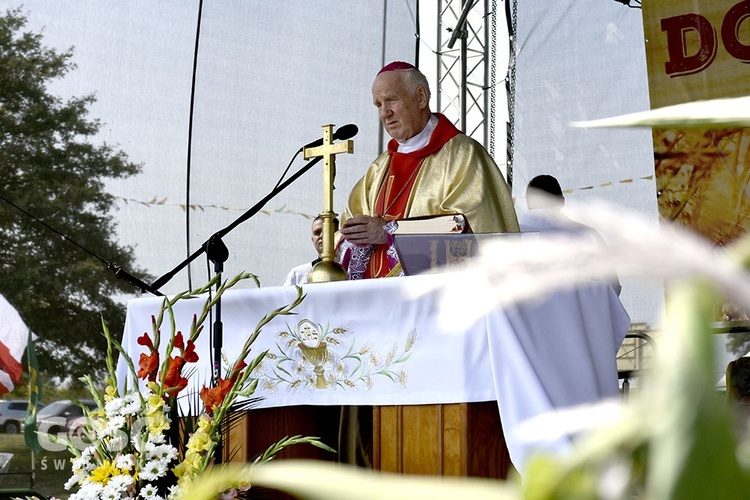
[(156, 438), (113, 407), (114, 426), (74, 479), (110, 492), (120, 483), (89, 490), (163, 452), (84, 462), (131, 404), (117, 443), (88, 453), (174, 492), (124, 462), (149, 491), (153, 470)]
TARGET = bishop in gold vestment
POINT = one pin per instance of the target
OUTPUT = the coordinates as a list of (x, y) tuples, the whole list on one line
[(430, 168)]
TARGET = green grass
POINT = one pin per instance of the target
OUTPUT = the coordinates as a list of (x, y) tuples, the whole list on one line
[(52, 468)]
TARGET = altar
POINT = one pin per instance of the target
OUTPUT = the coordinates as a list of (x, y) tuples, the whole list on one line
[(373, 343)]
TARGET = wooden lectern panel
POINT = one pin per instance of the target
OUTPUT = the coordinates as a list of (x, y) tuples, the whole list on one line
[(463, 439), (260, 428)]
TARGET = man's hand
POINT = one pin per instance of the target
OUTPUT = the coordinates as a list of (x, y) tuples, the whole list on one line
[(364, 230)]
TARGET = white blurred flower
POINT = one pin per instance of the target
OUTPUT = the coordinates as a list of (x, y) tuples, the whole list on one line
[(124, 462), (114, 425), (113, 407), (131, 404), (510, 270)]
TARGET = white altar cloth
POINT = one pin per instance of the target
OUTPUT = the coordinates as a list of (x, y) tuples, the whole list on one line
[(382, 348)]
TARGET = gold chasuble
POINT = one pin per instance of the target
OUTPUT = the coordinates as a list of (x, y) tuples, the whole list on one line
[(453, 174)]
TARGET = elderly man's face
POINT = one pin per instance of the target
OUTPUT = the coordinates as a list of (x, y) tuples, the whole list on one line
[(402, 114), (317, 235)]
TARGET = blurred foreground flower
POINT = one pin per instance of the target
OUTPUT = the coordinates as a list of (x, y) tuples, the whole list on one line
[(511, 270)]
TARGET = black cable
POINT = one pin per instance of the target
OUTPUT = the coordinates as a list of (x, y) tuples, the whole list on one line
[(190, 138), (118, 271), (65, 237), (418, 36), (281, 179)]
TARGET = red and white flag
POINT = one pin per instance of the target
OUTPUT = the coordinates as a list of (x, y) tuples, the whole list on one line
[(14, 335)]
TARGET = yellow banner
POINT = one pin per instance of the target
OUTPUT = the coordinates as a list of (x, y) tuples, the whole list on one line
[(696, 51)]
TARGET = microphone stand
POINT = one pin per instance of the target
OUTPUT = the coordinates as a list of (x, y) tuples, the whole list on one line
[(218, 253), (242, 218)]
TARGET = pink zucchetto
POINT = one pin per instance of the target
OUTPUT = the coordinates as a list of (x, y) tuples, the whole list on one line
[(396, 65)]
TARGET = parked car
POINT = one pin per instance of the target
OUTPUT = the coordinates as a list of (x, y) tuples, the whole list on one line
[(12, 414), (56, 417)]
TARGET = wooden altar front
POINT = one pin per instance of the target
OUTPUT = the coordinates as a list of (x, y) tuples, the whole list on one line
[(461, 439)]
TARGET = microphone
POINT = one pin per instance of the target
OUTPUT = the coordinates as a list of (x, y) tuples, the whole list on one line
[(341, 134)]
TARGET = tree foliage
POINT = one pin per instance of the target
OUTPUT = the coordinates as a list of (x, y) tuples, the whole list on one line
[(52, 171)]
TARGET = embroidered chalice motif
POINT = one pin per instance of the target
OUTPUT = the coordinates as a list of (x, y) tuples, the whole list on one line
[(314, 350)]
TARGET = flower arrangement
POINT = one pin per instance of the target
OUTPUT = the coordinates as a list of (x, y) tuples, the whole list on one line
[(136, 444)]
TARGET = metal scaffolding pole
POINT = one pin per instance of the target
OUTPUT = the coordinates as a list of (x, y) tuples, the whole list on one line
[(464, 74)]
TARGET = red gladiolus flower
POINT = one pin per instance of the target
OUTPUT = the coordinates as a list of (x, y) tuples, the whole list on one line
[(146, 340), (173, 379), (178, 342), (189, 353), (237, 370), (148, 364), (214, 396)]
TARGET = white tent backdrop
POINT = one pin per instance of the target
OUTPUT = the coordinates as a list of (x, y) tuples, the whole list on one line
[(269, 75), (581, 60)]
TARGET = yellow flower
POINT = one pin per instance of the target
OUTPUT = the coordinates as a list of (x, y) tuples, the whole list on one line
[(199, 441), (110, 393), (157, 423), (154, 404), (104, 472), (181, 469), (189, 467), (98, 413), (204, 423)]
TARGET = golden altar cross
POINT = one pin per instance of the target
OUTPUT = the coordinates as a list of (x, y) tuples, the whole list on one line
[(328, 269)]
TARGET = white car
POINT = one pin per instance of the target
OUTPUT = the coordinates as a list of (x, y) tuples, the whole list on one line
[(13, 413), (56, 417)]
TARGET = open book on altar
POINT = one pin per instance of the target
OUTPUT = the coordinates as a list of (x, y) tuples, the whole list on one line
[(419, 253), (433, 224)]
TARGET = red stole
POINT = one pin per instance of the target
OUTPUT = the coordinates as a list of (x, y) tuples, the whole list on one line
[(396, 186)]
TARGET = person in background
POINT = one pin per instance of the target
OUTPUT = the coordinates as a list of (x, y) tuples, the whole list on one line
[(298, 275), (545, 201), (429, 168)]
